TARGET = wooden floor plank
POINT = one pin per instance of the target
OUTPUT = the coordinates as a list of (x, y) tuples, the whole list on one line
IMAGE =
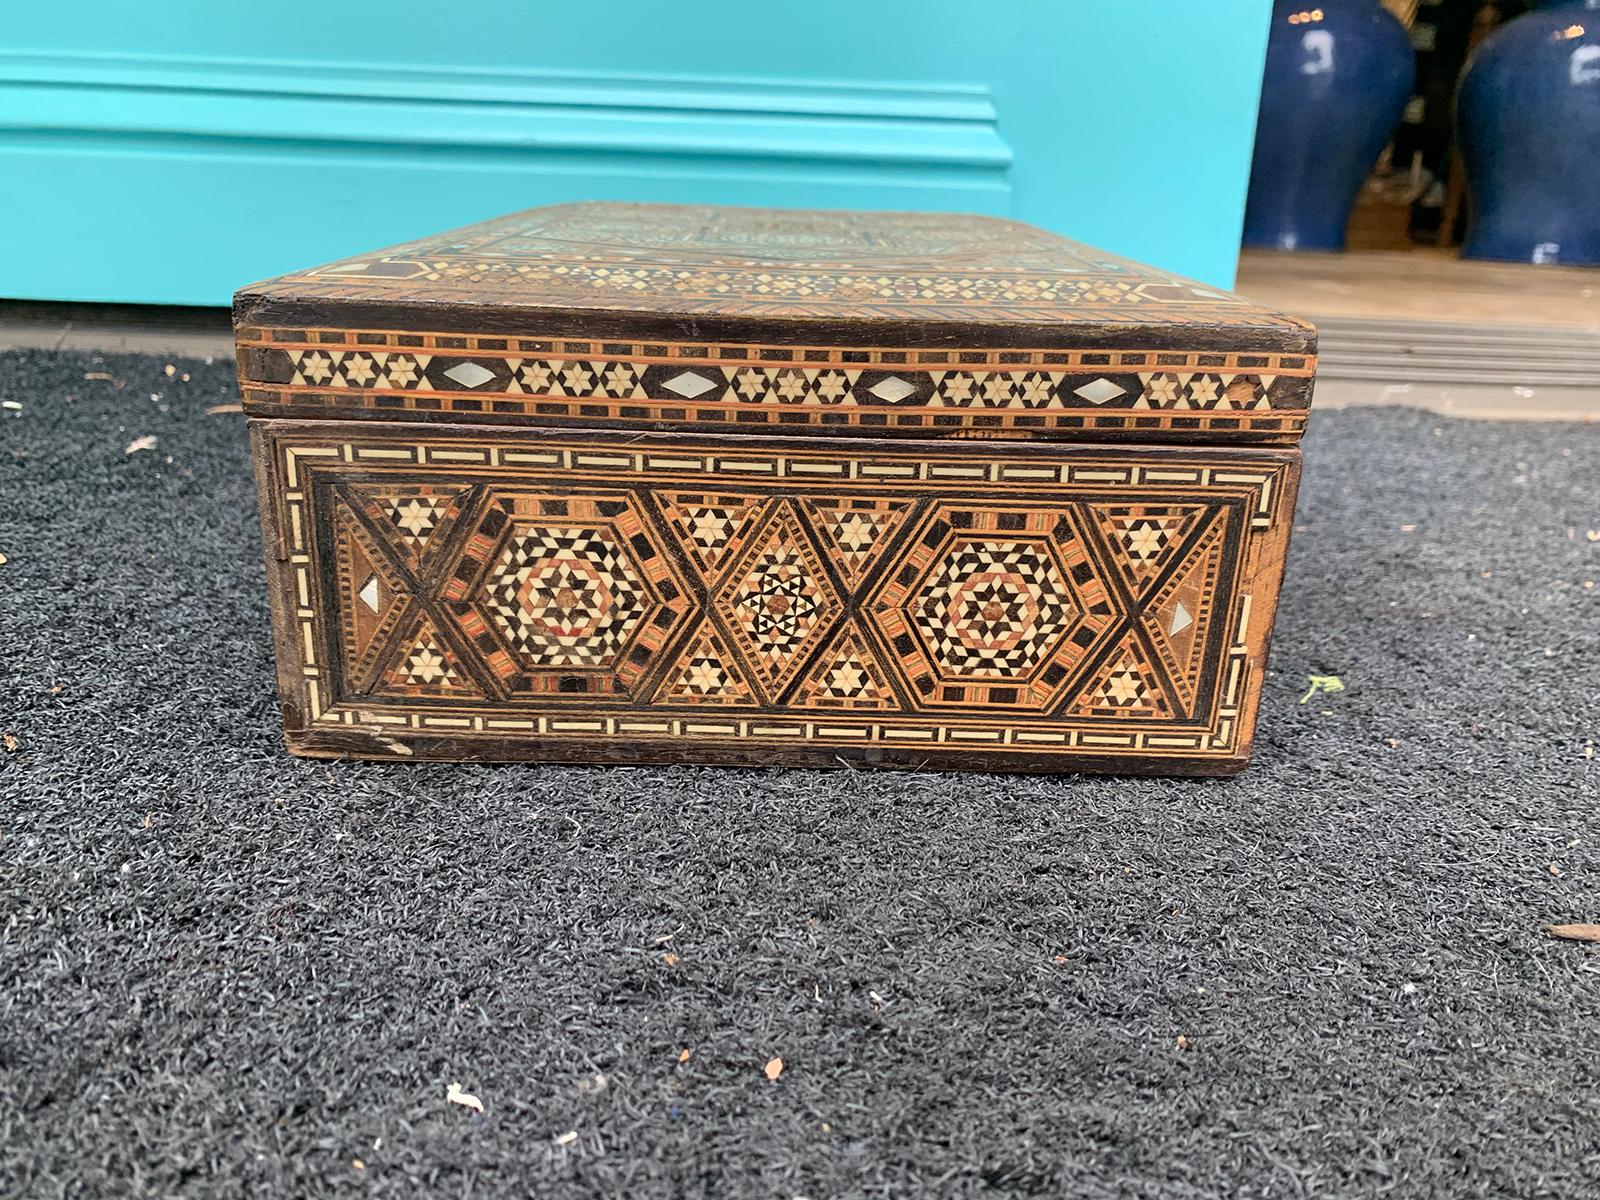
[(1422, 285)]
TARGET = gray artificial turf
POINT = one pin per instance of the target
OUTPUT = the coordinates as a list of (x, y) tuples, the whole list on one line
[(224, 972)]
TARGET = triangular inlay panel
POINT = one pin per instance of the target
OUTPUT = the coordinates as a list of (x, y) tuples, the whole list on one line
[(427, 668), (1126, 685), (847, 676), (416, 512), (711, 526), (1144, 537), (371, 595), (857, 531), (707, 674), (776, 600), (1178, 618)]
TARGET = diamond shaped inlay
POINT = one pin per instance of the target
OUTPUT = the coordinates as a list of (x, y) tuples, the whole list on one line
[(893, 389), (565, 597), (469, 374), (777, 601), (689, 385), (1101, 391)]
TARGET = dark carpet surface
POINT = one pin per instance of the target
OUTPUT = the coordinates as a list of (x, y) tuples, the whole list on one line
[(224, 972)]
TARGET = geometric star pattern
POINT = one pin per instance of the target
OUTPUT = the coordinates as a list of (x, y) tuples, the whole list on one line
[(415, 516), (856, 529), (749, 601), (708, 674), (992, 608), (776, 600), (426, 667), (810, 387), (414, 513), (565, 594), (711, 526), (1146, 534), (1126, 686), (565, 597), (641, 494), (848, 676)]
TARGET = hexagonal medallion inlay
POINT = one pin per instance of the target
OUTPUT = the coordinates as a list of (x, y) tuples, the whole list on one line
[(565, 594), (565, 597), (992, 608), (995, 606)]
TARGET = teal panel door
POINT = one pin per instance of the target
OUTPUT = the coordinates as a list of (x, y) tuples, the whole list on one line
[(170, 155)]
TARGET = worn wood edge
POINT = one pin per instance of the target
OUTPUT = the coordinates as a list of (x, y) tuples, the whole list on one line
[(1277, 333), (1269, 572), (363, 745), (285, 650)]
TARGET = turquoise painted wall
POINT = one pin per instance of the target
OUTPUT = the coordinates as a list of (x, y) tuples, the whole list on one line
[(169, 153)]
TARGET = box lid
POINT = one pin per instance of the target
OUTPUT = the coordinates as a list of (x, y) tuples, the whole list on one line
[(670, 317)]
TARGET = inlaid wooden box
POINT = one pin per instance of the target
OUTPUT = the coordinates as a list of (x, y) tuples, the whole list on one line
[(627, 483)]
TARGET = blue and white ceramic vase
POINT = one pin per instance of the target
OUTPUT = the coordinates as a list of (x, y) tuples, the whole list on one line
[(1339, 73), (1529, 116)]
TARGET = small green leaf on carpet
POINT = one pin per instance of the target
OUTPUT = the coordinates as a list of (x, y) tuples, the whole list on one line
[(1322, 683)]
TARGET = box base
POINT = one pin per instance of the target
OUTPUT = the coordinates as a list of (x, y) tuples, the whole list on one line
[(383, 748)]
